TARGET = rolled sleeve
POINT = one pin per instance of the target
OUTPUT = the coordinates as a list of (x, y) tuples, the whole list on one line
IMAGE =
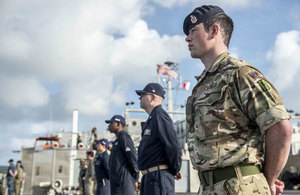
[(260, 100), (271, 117)]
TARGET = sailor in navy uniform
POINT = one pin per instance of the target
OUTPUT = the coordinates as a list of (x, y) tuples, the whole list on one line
[(11, 174), (102, 167), (159, 152), (124, 173)]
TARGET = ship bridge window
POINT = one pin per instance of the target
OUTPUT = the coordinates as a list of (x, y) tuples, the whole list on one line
[(60, 169), (37, 170)]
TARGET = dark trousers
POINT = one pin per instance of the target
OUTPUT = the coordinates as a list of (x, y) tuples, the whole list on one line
[(158, 183), (103, 187), (10, 185), (123, 188)]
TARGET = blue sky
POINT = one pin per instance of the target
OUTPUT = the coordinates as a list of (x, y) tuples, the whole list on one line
[(92, 55)]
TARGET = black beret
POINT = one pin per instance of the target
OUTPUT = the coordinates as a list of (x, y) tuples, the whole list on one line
[(200, 14)]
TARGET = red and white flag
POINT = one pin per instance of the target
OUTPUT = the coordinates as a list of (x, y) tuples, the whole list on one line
[(166, 70), (186, 85)]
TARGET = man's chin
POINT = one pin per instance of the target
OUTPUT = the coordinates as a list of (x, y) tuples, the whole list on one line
[(193, 55)]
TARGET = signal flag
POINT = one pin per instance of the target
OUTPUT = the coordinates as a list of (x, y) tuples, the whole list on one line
[(186, 85)]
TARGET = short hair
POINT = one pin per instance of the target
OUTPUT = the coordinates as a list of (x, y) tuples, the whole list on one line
[(225, 23), (159, 98), (90, 153)]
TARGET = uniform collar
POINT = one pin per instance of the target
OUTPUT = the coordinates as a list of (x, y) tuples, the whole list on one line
[(104, 152), (213, 67), (121, 132), (150, 115)]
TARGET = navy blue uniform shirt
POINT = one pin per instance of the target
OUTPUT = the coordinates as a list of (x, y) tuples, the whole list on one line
[(13, 169), (159, 144), (102, 174), (102, 166), (123, 158)]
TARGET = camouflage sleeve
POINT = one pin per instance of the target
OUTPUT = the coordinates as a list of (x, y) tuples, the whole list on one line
[(260, 101)]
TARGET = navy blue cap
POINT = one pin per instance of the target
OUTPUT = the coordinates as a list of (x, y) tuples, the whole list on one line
[(200, 14), (154, 88), (117, 118), (103, 141)]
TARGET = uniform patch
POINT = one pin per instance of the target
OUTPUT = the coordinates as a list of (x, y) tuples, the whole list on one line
[(147, 132), (263, 84), (127, 149), (254, 74), (188, 116)]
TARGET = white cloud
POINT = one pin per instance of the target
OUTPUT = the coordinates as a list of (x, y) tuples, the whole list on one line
[(237, 4), (23, 134), (39, 128), (118, 97), (285, 57), (90, 48), (90, 96), (14, 45), (140, 50), (18, 143), (171, 3), (286, 67), (19, 91)]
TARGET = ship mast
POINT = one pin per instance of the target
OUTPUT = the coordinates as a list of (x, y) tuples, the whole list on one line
[(170, 69), (73, 152)]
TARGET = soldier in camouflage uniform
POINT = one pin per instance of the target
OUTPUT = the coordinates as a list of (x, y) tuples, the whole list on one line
[(81, 178), (90, 174), (19, 178), (235, 117)]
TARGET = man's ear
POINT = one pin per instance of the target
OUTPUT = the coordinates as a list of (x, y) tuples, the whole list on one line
[(215, 30), (153, 97)]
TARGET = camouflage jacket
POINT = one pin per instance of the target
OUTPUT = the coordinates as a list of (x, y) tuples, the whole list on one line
[(231, 107), (20, 174), (90, 172)]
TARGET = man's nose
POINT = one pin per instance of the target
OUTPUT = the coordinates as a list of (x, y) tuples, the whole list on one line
[(188, 38)]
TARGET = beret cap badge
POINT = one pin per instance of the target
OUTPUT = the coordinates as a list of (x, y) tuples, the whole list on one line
[(193, 18), (200, 14)]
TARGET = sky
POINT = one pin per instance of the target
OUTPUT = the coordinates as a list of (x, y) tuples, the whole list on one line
[(57, 56)]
